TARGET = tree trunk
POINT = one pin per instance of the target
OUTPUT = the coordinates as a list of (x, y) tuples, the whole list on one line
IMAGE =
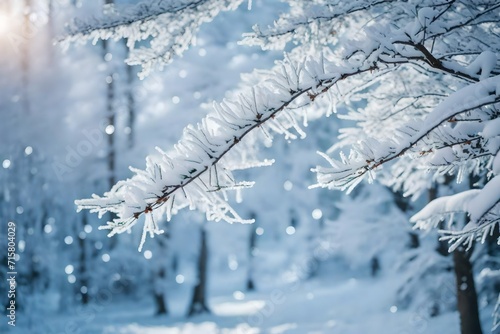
[(130, 106), (442, 246), (110, 114), (466, 293), (492, 248), (111, 123), (161, 306), (198, 303), (374, 266), (251, 250), (83, 272), (414, 240), (160, 274), (403, 204)]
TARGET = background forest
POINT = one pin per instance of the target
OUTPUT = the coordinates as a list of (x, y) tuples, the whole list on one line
[(74, 117)]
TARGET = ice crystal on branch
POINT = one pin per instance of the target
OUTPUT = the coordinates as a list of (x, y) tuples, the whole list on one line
[(427, 90), (168, 26), (196, 172), (419, 81)]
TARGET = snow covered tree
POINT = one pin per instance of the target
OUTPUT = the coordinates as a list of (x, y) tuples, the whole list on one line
[(421, 78)]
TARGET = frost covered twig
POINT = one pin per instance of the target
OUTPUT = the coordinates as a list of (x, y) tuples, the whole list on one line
[(189, 174), (198, 160), (364, 158), (168, 26)]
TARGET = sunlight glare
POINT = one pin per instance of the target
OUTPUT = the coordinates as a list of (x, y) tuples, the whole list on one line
[(5, 23)]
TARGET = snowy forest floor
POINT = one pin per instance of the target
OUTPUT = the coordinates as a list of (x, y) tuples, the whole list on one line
[(319, 305)]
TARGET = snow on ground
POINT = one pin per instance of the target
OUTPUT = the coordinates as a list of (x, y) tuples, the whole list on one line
[(320, 305)]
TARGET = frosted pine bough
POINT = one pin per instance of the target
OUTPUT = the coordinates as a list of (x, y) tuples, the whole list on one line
[(169, 25), (420, 80), (200, 165), (197, 172)]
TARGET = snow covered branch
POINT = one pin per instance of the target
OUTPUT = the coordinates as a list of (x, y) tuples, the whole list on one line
[(419, 80), (429, 141), (456, 134), (321, 19), (365, 158), (169, 27), (194, 172), (448, 124)]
